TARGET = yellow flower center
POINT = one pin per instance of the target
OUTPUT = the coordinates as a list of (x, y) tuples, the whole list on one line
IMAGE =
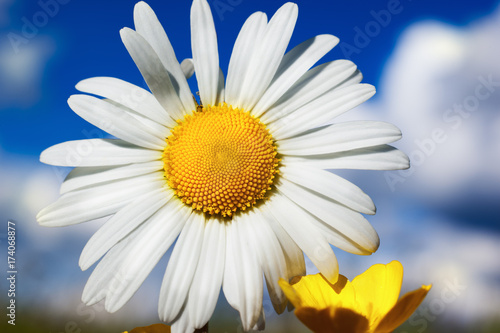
[(220, 160)]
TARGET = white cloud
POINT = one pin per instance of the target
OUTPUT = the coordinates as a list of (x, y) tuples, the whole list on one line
[(27, 187), (435, 89), (429, 88), (446, 256)]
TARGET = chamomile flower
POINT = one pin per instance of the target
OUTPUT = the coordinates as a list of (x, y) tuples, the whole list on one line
[(239, 180)]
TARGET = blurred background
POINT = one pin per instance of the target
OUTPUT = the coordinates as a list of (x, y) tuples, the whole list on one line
[(436, 66)]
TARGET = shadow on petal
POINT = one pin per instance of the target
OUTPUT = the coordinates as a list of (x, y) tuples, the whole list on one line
[(402, 310), (332, 320)]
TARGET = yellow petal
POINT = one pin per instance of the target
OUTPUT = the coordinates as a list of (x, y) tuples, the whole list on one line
[(402, 310), (290, 293), (347, 296), (156, 328), (332, 320), (316, 292), (377, 289)]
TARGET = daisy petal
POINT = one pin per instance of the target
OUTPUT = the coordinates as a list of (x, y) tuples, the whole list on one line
[(242, 282), (261, 322), (329, 185), (153, 71), (297, 223), (187, 66), (140, 257), (341, 137), (244, 46), (294, 64), (112, 272), (294, 256), (381, 157), (271, 257), (355, 78), (98, 201), (98, 284), (85, 177), (158, 129), (182, 324), (128, 95), (115, 121), (205, 52), (121, 224), (207, 281), (97, 152), (268, 53), (310, 86), (341, 226), (181, 268), (147, 24), (321, 110)]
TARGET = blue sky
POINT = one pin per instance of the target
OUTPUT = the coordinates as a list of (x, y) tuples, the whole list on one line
[(440, 218)]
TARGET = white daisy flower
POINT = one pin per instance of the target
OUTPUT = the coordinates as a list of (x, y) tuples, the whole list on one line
[(240, 181)]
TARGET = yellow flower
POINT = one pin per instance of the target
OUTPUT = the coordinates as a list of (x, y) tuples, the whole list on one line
[(156, 328), (367, 304)]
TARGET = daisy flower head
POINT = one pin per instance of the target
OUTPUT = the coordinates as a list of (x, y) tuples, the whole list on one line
[(238, 180)]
